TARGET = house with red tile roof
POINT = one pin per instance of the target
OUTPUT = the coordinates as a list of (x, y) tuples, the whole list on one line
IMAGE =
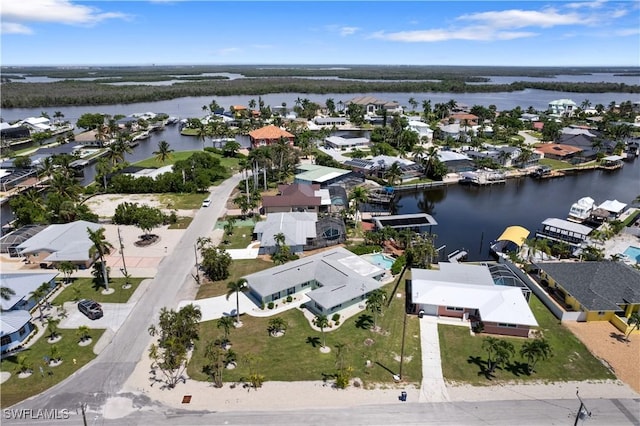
[(465, 119), (558, 151), (269, 135)]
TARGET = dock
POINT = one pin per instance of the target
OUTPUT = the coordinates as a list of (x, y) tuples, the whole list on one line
[(457, 256)]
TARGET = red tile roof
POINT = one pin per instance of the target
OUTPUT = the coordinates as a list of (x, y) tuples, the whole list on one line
[(558, 149), (270, 132)]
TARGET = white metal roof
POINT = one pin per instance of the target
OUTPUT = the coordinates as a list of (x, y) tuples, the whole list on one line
[(12, 321), (471, 286), (296, 227), (23, 284), (567, 225), (614, 206), (69, 241)]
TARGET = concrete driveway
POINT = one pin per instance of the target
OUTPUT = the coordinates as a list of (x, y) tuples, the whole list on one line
[(114, 316), (218, 307)]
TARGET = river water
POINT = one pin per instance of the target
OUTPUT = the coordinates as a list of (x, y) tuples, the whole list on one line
[(470, 217)]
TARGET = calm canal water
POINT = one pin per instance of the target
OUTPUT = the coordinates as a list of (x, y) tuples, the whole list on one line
[(471, 217)]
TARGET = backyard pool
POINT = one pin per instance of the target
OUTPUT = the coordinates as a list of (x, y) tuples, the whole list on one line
[(633, 253), (379, 259)]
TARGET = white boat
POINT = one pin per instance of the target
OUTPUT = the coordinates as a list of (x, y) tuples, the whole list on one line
[(510, 241), (581, 209)]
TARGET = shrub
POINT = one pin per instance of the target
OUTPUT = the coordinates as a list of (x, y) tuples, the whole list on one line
[(399, 263), (335, 317), (270, 305), (289, 299), (363, 249)]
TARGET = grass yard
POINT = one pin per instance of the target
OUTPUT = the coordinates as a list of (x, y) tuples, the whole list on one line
[(463, 356), (183, 222), (15, 389), (151, 162), (238, 269), (186, 201), (555, 164), (241, 238), (296, 355), (87, 289)]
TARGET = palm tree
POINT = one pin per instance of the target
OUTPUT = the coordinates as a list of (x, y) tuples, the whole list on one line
[(359, 195), (236, 287), (375, 303), (393, 174), (533, 351), (634, 322), (67, 268), (39, 294), (6, 293), (101, 247), (277, 325), (52, 327), (279, 239), (321, 321), (225, 323), (83, 333)]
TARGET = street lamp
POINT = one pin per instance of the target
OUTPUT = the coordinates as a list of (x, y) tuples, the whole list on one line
[(582, 411)]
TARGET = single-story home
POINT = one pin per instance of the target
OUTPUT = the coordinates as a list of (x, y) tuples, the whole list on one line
[(557, 151), (57, 243), (322, 175), (297, 197), (343, 144), (23, 284), (469, 292), (603, 291), (15, 327), (269, 135), (298, 228), (37, 124), (456, 162), (330, 121), (333, 280)]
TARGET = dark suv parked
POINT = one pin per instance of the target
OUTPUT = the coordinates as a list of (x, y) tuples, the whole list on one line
[(91, 309)]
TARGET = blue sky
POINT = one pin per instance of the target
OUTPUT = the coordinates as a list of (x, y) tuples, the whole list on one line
[(524, 33)]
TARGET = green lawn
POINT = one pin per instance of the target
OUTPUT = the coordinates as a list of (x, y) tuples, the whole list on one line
[(89, 290), (241, 238), (463, 356), (187, 131), (296, 355), (175, 156), (186, 201), (555, 164), (238, 269), (182, 223), (15, 390)]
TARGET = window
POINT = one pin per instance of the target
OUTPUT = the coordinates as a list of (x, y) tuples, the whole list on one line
[(305, 284), (454, 308), (5, 340), (506, 325), (600, 313)]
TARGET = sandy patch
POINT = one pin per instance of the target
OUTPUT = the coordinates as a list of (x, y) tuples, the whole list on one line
[(104, 205), (607, 343)]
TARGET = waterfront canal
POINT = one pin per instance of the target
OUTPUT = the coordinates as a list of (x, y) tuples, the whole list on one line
[(470, 217)]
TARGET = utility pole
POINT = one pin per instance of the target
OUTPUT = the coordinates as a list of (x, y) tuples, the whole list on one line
[(404, 328), (83, 407), (197, 277), (582, 411), (124, 264)]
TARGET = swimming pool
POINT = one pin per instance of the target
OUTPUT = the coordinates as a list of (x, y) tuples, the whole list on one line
[(379, 259), (633, 253)]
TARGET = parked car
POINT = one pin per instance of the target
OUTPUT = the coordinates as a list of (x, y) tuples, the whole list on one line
[(206, 203), (90, 308)]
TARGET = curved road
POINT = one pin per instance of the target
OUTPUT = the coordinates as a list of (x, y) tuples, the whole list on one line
[(104, 377)]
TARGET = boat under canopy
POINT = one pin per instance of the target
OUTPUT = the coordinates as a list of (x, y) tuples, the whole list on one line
[(511, 239)]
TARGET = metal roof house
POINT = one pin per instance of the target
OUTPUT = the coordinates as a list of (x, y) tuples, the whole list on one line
[(561, 230), (15, 327), (470, 292), (332, 280), (602, 291), (298, 229), (67, 242), (322, 175), (297, 197)]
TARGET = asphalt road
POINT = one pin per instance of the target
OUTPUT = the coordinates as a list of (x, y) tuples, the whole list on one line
[(105, 376), (609, 412)]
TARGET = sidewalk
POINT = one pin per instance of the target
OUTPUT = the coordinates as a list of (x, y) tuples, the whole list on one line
[(433, 388)]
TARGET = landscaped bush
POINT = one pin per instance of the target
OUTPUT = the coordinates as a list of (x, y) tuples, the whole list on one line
[(398, 265), (270, 305), (335, 317), (289, 299), (363, 249)]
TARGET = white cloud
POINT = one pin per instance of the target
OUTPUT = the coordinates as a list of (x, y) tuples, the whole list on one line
[(516, 18), (14, 28), (586, 4), (347, 31), (469, 33), (628, 32), (58, 11)]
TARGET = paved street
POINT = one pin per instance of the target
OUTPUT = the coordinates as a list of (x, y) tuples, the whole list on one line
[(104, 377)]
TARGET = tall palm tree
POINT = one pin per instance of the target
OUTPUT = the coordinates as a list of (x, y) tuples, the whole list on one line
[(321, 321), (236, 287), (100, 248), (225, 323), (375, 304), (118, 149), (634, 322), (164, 152), (38, 295), (359, 195), (393, 174)]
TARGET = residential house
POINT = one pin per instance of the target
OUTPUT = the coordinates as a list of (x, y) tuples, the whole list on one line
[(57, 243), (330, 121), (298, 228), (528, 117), (347, 144), (324, 176), (557, 151), (269, 135), (373, 105), (422, 129), (297, 197), (410, 169), (36, 124), (332, 280), (456, 162), (601, 291), (16, 131), (470, 292), (464, 119), (562, 107), (15, 321)]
